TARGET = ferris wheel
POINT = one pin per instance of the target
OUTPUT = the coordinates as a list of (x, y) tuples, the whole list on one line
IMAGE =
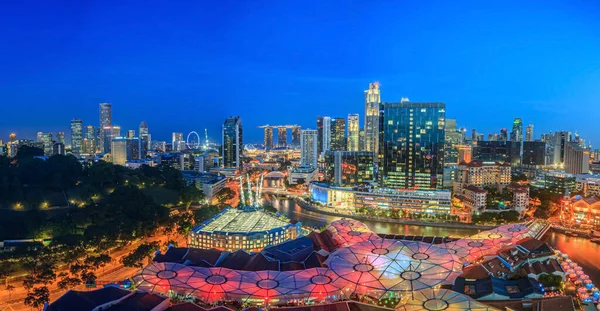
[(193, 140)]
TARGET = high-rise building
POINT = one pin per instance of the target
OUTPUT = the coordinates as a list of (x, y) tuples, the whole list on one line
[(372, 102), (413, 145), (105, 127), (498, 151), (577, 159), (464, 154), (133, 148), (296, 135), (453, 138), (281, 137), (76, 137), (338, 134), (534, 153), (326, 134), (517, 130), (503, 134), (561, 139), (308, 148), (268, 138), (39, 137), (116, 131), (176, 137), (60, 137), (353, 132), (474, 136), (119, 150), (529, 133), (144, 139), (12, 138), (130, 134), (232, 143), (159, 146), (361, 139), (348, 168), (89, 142), (47, 143), (58, 149)]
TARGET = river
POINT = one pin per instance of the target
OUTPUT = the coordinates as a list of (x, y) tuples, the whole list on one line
[(580, 250)]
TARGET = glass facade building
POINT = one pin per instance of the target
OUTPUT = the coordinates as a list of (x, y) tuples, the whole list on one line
[(338, 134), (347, 168), (232, 143), (413, 145), (76, 137)]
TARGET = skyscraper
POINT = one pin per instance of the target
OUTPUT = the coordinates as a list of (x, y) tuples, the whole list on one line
[(281, 137), (60, 137), (308, 148), (144, 139), (529, 133), (119, 150), (116, 131), (353, 132), (105, 127), (413, 145), (12, 138), (47, 142), (130, 134), (296, 135), (577, 159), (89, 146), (561, 139), (76, 137), (517, 130), (453, 138), (372, 102), (268, 138), (232, 143), (338, 134), (320, 134), (503, 134), (326, 134), (176, 137)]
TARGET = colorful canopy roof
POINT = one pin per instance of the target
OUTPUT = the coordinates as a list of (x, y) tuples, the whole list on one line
[(346, 232), (441, 299)]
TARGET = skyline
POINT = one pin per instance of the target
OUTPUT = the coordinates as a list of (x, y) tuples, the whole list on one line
[(189, 67)]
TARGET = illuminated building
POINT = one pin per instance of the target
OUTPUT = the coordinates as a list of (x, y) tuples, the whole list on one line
[(589, 184), (159, 146), (473, 199), (209, 183), (46, 140), (76, 137), (498, 151), (464, 153), (482, 174), (326, 134), (119, 151), (60, 137), (176, 137), (105, 124), (338, 134), (116, 131), (308, 148), (281, 137), (12, 138), (306, 174), (130, 134), (232, 143), (144, 139), (529, 133), (320, 134), (452, 139), (348, 168), (353, 132), (296, 135), (534, 153), (274, 180), (249, 229), (584, 209), (503, 134), (372, 102), (577, 159), (561, 140), (361, 139), (58, 148), (133, 148), (268, 138), (555, 181), (413, 145), (517, 130), (89, 143)]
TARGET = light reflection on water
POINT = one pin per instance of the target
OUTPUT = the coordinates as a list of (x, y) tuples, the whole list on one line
[(580, 250)]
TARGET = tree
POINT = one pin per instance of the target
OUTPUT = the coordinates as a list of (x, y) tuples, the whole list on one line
[(225, 195), (37, 297), (136, 257), (191, 194), (26, 152), (67, 281), (10, 289)]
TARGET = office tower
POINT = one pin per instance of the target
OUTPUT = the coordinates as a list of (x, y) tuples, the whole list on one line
[(12, 138), (474, 136), (116, 131), (76, 137), (308, 148), (338, 134), (493, 137), (105, 127), (320, 134), (176, 137), (517, 130), (349, 168), (353, 132), (534, 153), (452, 139), (413, 145), (47, 143), (361, 139), (90, 140), (503, 134), (577, 159), (119, 150), (58, 149), (529, 133), (498, 151), (326, 134), (268, 138), (130, 134), (561, 139), (60, 137), (232, 143), (281, 137), (159, 146), (39, 137), (144, 139), (464, 154), (133, 148), (372, 102), (296, 135)]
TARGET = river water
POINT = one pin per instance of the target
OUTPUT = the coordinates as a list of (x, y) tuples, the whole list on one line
[(580, 250)]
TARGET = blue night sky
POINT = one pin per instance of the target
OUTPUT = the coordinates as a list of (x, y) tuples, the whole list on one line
[(187, 65)]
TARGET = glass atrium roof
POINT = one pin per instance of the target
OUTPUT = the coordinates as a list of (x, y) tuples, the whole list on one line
[(441, 299)]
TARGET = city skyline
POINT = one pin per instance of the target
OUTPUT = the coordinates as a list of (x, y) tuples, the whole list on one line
[(474, 70)]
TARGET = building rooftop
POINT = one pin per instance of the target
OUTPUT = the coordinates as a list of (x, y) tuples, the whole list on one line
[(241, 221), (80, 300)]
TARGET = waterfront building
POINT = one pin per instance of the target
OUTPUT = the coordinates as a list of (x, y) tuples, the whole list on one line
[(104, 142), (144, 139), (338, 134), (348, 168), (589, 184), (371, 128), (268, 140), (282, 137), (413, 145), (308, 148), (577, 159), (555, 181), (274, 180), (232, 148), (302, 174), (353, 132), (516, 134), (482, 174), (250, 229), (76, 137), (583, 209), (473, 198), (296, 130)]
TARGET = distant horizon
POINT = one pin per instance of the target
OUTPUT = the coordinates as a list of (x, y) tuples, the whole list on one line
[(183, 66)]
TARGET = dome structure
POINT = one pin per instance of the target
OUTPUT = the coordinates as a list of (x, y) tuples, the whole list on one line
[(441, 299)]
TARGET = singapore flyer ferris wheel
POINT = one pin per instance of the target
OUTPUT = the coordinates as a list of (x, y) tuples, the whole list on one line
[(193, 140)]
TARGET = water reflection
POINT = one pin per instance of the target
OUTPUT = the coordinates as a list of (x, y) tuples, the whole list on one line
[(580, 250)]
